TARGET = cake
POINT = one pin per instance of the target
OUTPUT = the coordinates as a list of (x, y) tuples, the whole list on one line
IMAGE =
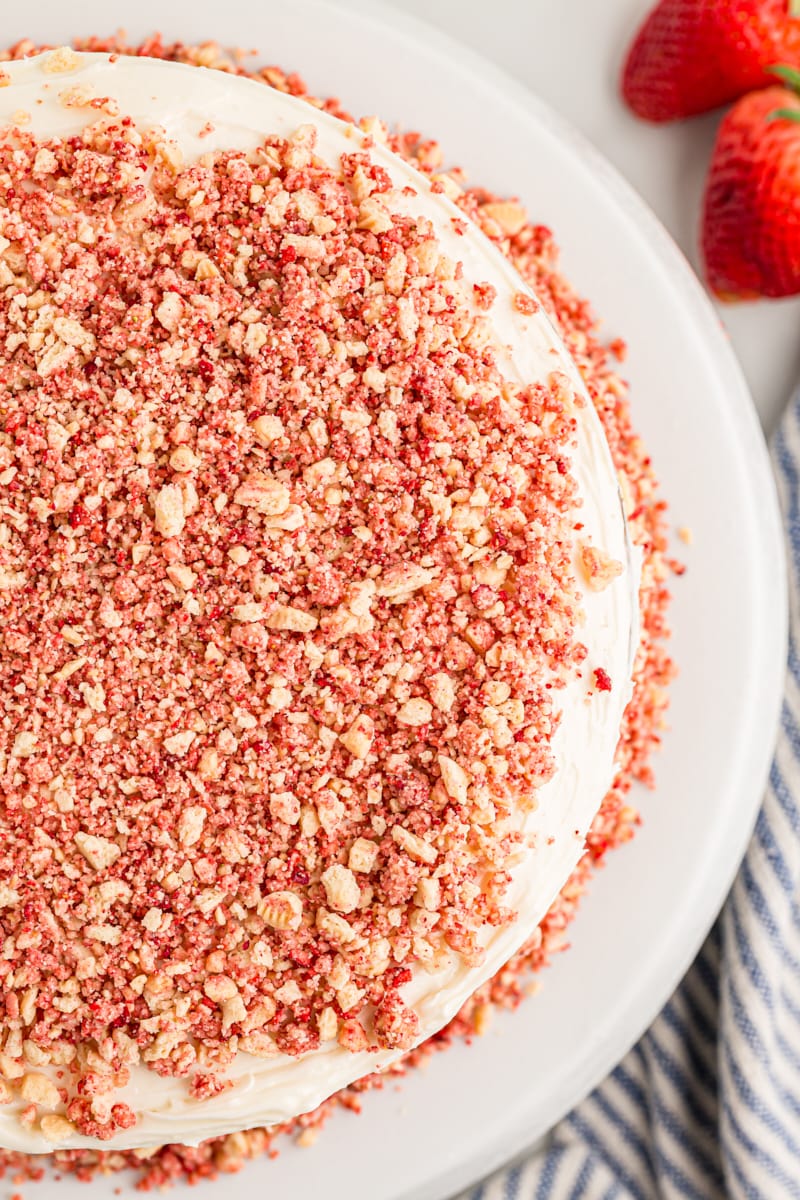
[(319, 601)]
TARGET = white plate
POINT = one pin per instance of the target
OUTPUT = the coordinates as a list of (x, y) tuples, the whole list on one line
[(646, 915)]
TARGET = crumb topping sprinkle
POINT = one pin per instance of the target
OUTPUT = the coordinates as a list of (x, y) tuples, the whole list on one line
[(288, 596)]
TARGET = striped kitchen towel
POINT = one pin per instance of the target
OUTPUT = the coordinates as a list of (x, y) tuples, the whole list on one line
[(707, 1105)]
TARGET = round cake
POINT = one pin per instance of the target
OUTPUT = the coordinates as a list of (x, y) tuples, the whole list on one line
[(319, 607)]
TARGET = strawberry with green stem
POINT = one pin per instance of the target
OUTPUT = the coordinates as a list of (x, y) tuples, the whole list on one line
[(751, 216), (694, 55)]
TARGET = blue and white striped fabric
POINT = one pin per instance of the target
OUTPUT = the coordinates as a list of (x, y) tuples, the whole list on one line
[(707, 1105)]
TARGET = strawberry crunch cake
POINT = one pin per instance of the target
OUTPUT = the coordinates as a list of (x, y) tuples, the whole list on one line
[(332, 589)]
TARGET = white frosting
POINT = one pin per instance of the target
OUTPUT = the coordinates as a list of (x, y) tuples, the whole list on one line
[(182, 100)]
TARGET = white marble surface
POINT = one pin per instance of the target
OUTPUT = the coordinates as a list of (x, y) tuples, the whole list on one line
[(570, 53)]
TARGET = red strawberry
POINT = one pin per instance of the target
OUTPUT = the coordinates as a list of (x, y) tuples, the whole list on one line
[(694, 55), (751, 217)]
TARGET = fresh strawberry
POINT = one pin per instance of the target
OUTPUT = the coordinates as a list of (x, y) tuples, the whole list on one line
[(751, 218), (694, 55)]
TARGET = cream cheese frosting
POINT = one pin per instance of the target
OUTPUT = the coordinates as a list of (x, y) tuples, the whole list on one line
[(204, 111)]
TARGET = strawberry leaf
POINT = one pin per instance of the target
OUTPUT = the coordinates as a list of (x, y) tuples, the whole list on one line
[(794, 8), (789, 75), (785, 114)]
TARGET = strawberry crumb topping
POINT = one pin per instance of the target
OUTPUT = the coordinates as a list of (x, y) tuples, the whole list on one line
[(144, 473), (602, 680), (285, 575)]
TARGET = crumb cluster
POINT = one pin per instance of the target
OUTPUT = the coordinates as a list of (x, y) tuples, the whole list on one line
[(533, 251), (287, 593)]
